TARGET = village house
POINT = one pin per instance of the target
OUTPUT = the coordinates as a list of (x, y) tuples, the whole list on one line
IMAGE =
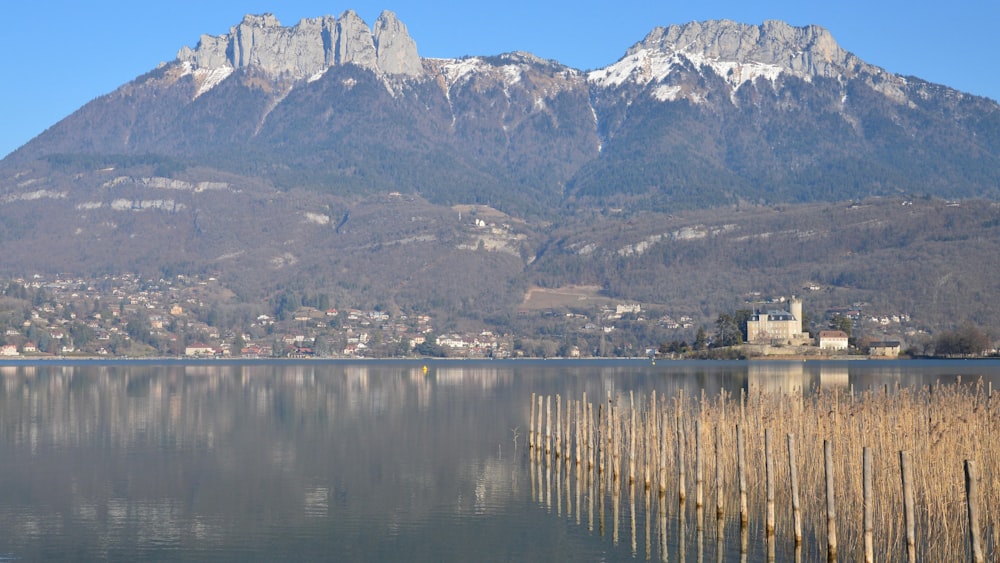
[(832, 340), (884, 349), (199, 349)]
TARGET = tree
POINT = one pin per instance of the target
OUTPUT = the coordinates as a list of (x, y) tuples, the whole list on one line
[(673, 347), (81, 334), (430, 348), (727, 331), (968, 340), (213, 317), (700, 339), (843, 323), (138, 327), (740, 317), (238, 345)]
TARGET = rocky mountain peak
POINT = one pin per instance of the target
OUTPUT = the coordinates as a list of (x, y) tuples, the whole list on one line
[(260, 20), (809, 50), (308, 48), (396, 50)]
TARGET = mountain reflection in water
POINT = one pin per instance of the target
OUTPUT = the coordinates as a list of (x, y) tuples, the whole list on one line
[(372, 461)]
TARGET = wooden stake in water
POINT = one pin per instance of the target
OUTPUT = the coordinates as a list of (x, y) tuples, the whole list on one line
[(831, 506), (663, 456), (568, 436), (539, 439), (908, 508), (650, 439), (558, 426), (793, 478), (586, 430), (548, 425), (972, 497), (741, 474), (719, 499), (614, 418), (699, 463), (600, 440), (769, 478), (590, 437), (531, 427), (579, 430), (681, 489), (869, 522), (631, 438)]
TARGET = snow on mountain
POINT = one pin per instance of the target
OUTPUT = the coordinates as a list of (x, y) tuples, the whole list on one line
[(650, 66)]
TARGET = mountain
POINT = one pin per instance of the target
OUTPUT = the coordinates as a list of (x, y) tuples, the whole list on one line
[(330, 156)]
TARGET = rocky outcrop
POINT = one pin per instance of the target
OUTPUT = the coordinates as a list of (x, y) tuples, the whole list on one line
[(396, 50), (353, 42), (310, 47), (809, 50)]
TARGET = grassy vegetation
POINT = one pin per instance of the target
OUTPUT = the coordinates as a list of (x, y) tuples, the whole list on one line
[(939, 426)]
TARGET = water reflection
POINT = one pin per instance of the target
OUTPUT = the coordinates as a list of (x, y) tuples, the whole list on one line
[(179, 455), (373, 461), (797, 377)]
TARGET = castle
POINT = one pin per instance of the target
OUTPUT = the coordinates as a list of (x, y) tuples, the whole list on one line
[(777, 326)]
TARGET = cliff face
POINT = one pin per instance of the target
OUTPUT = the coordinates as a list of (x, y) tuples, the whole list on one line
[(310, 47), (809, 50)]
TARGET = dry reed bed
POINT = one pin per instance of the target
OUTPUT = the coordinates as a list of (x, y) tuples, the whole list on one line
[(627, 441)]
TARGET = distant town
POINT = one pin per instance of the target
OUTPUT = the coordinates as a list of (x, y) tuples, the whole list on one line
[(197, 317)]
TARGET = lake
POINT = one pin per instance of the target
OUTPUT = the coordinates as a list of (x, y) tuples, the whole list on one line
[(351, 461)]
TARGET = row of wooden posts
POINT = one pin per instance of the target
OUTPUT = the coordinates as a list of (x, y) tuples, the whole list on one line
[(574, 434)]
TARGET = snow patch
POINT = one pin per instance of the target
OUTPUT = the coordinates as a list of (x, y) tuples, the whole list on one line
[(89, 205), (316, 76), (642, 67), (206, 78), (286, 259), (33, 196), (737, 74), (689, 233), (231, 255), (146, 204), (647, 66), (317, 218), (511, 74), (459, 69), (666, 93)]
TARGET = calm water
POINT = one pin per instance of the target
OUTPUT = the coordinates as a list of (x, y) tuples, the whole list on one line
[(374, 461)]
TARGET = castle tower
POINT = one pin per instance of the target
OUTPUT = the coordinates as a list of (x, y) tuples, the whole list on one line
[(796, 310)]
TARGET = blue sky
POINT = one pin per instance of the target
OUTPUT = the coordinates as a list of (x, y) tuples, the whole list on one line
[(58, 55)]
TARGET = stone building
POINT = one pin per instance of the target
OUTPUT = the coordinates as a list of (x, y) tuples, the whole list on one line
[(778, 326)]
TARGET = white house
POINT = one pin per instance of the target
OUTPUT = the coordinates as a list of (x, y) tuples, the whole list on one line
[(833, 340), (199, 349)]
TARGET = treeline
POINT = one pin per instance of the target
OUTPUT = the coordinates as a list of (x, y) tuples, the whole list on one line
[(967, 341)]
